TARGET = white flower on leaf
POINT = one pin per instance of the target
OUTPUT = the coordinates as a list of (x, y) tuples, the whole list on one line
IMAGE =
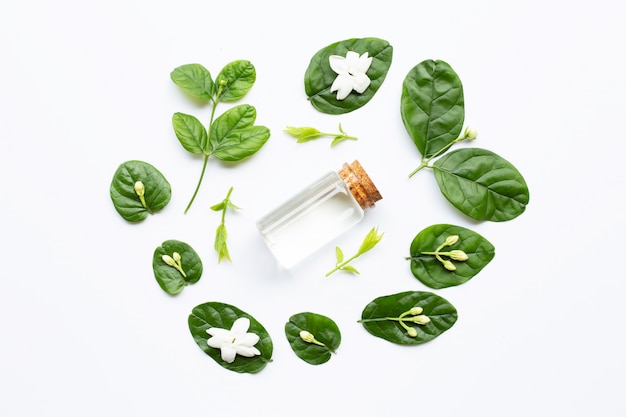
[(236, 341), (351, 73)]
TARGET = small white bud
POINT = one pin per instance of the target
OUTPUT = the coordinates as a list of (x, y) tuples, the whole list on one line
[(139, 188), (411, 331), (449, 265), (451, 240), (421, 320), (176, 257), (168, 260), (416, 310), (306, 336), (470, 133), (458, 255)]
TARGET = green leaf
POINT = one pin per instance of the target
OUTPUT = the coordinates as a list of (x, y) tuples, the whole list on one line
[(169, 278), (221, 235), (195, 80), (126, 200), (375, 317), (190, 133), (324, 330), (371, 239), (430, 271), (432, 106), (303, 134), (234, 137), (240, 76), (350, 268), (339, 254), (482, 184), (319, 76), (219, 206), (215, 314)]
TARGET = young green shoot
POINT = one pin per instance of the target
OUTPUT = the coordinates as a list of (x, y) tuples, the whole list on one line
[(221, 234), (305, 134), (371, 239)]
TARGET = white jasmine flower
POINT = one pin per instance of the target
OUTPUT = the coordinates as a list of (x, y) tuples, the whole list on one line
[(351, 72), (236, 341)]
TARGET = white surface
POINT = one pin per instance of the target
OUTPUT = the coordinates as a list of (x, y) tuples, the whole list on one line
[(86, 331)]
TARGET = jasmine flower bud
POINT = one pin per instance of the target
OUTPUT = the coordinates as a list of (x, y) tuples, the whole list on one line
[(169, 260), (306, 336), (451, 240), (140, 190), (470, 133), (421, 319), (449, 265), (458, 255), (411, 331), (416, 310), (176, 257)]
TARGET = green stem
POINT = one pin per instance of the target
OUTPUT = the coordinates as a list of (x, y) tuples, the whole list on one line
[(342, 264), (206, 159), (425, 161), (226, 201)]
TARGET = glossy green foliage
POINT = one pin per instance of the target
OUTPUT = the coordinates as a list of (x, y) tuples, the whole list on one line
[(482, 184), (377, 317), (233, 135), (431, 272), (171, 279), (432, 106), (195, 80), (319, 76), (156, 190), (237, 78), (214, 314), (327, 337)]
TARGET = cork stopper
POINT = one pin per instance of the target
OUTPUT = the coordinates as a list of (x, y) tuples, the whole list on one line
[(360, 184)]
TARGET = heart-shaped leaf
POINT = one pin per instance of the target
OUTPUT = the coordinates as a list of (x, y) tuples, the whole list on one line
[(432, 106), (312, 337), (482, 184), (156, 190), (238, 77), (319, 76), (172, 277), (430, 271), (220, 315), (381, 317)]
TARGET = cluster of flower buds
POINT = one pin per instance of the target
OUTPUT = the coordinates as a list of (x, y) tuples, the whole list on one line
[(453, 255), (414, 315), (175, 261)]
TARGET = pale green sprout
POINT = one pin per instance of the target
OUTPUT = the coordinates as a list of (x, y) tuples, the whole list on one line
[(453, 255), (305, 134), (371, 239), (175, 261), (221, 233), (140, 190)]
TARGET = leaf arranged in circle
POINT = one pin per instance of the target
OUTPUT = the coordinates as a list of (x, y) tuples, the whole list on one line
[(432, 106), (431, 272), (169, 278), (319, 76), (482, 184), (375, 317), (157, 190), (324, 330), (221, 315)]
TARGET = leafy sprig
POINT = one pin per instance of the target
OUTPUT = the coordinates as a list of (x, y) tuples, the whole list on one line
[(305, 134), (221, 234), (230, 137), (371, 239)]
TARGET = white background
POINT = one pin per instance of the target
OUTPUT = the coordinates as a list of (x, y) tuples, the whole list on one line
[(85, 329)]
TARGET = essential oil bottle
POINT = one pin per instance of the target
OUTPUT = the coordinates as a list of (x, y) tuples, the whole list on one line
[(319, 213)]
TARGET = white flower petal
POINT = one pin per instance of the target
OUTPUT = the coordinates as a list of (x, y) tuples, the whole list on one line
[(247, 351), (343, 86), (240, 326), (215, 342), (228, 353), (363, 64), (248, 339), (338, 64), (360, 82), (352, 60)]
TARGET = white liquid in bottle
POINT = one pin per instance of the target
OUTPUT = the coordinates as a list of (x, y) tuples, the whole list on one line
[(319, 213)]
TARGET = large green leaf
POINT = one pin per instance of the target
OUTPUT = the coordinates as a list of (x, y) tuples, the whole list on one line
[(170, 279), (376, 317), (239, 77), (191, 133), (215, 314), (319, 76), (324, 330), (233, 135), (432, 106), (195, 80), (431, 272), (126, 200), (482, 184)]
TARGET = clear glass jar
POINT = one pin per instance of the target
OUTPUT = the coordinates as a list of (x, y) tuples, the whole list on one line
[(317, 214)]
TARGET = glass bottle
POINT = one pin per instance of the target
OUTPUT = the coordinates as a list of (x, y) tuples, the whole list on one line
[(317, 214)]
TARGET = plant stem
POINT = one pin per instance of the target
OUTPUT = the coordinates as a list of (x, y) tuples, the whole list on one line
[(206, 159), (342, 264), (425, 161)]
